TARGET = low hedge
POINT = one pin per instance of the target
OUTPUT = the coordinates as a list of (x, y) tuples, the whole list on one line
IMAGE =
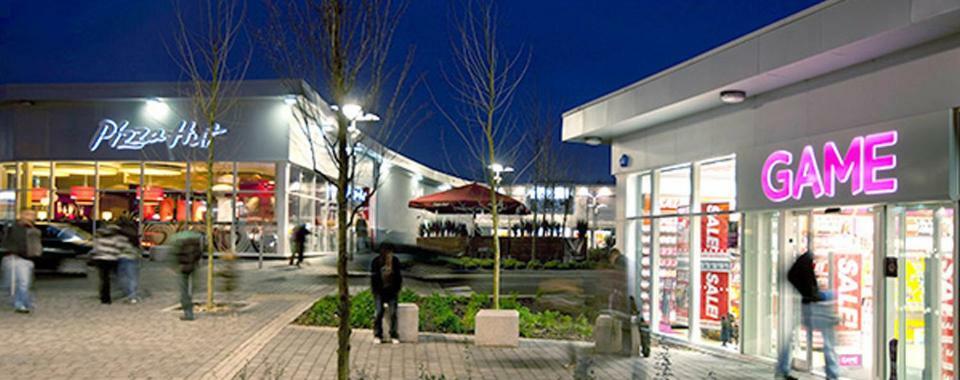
[(452, 315), (469, 263)]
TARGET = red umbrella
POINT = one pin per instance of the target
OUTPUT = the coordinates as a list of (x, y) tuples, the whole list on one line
[(469, 199)]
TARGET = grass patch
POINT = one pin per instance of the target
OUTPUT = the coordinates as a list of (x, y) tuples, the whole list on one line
[(453, 315)]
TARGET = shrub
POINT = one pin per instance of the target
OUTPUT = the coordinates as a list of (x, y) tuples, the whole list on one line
[(511, 263), (486, 263), (534, 264), (453, 314), (552, 264)]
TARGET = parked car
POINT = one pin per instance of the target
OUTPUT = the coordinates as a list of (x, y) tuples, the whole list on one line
[(65, 247)]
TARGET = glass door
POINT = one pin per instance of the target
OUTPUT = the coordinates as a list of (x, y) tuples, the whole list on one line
[(843, 243), (920, 300)]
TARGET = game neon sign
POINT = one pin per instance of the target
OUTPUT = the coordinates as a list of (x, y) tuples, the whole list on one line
[(123, 136), (862, 166)]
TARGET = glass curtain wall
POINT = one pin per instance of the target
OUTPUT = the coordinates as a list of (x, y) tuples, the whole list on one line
[(160, 197), (684, 237)]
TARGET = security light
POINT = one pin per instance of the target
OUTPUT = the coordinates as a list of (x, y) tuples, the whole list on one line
[(733, 96), (593, 140), (157, 108)]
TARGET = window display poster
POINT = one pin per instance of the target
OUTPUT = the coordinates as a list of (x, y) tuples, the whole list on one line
[(714, 296), (714, 229), (848, 290), (948, 347)]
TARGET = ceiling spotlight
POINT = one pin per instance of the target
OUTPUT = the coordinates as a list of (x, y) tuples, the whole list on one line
[(733, 96), (593, 140)]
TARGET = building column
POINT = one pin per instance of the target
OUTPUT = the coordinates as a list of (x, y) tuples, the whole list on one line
[(281, 213)]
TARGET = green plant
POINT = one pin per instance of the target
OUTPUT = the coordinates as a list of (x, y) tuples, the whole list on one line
[(511, 263), (454, 314), (534, 264), (552, 264)]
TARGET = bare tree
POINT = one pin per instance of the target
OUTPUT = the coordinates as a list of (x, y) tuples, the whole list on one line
[(549, 166), (484, 83), (343, 47), (204, 50)]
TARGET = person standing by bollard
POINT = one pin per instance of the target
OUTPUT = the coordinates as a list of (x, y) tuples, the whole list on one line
[(108, 246), (816, 314), (22, 242), (300, 233), (385, 283), (186, 247)]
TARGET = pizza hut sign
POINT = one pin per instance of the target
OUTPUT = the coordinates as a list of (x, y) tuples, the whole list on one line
[(124, 136)]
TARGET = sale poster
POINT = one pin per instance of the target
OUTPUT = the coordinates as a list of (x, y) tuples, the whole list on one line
[(848, 290), (947, 320), (714, 229), (714, 296)]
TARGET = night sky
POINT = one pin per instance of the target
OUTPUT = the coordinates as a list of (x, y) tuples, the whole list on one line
[(580, 50)]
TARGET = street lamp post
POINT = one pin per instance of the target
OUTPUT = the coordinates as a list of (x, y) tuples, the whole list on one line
[(354, 113)]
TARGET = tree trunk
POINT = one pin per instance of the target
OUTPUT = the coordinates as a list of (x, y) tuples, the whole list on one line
[(343, 331), (209, 213)]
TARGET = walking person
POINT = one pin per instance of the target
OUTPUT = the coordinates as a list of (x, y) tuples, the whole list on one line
[(385, 283), (817, 313), (726, 329), (22, 243), (109, 245), (186, 246), (128, 265), (300, 233)]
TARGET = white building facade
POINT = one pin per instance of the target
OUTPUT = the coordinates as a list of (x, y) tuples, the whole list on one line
[(845, 146)]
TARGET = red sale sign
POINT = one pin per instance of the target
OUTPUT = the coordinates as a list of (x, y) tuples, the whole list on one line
[(947, 345), (847, 287), (847, 281), (714, 229), (714, 295)]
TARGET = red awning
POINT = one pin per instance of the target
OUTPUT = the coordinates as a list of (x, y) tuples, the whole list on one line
[(469, 199)]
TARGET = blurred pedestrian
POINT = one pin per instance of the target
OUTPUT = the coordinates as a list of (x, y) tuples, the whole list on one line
[(300, 233), (816, 313), (108, 246), (726, 329), (186, 246), (22, 243), (128, 265), (385, 283)]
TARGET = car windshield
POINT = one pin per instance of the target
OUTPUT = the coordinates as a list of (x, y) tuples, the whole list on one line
[(68, 234)]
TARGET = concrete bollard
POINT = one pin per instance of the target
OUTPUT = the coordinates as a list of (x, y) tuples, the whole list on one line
[(408, 322), (497, 328), (607, 335)]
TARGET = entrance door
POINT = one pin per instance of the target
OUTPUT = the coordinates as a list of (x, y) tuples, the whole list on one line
[(919, 300), (844, 245)]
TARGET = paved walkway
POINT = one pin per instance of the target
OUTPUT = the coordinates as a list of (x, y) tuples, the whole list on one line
[(71, 336), (300, 352)]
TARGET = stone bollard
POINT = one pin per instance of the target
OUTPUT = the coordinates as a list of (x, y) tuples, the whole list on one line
[(408, 322), (497, 328), (607, 335)]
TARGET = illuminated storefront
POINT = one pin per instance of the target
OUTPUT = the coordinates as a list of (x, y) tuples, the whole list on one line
[(95, 154), (845, 146)]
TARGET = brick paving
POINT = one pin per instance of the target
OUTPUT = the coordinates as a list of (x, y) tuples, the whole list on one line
[(300, 352), (71, 336)]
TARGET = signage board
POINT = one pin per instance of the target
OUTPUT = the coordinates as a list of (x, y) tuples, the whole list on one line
[(898, 161)]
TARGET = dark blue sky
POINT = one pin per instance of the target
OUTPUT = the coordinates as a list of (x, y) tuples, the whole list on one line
[(580, 49)]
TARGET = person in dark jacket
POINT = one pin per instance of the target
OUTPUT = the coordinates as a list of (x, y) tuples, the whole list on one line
[(817, 313), (385, 283), (21, 243), (300, 234), (187, 248)]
